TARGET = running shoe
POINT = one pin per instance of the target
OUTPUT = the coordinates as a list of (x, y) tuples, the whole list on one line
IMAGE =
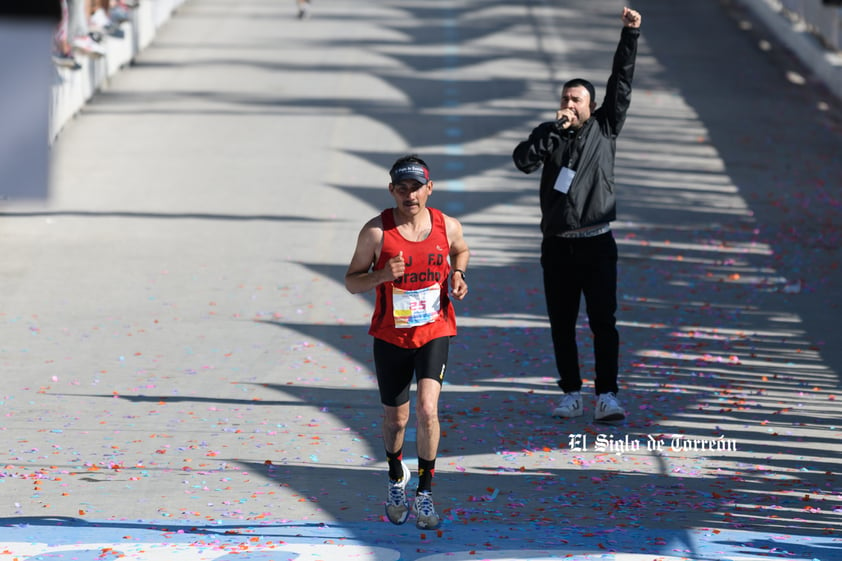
[(66, 61), (425, 512), (569, 406), (88, 46), (608, 409), (397, 507)]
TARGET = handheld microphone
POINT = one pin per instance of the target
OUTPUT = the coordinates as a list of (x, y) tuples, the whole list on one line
[(561, 122)]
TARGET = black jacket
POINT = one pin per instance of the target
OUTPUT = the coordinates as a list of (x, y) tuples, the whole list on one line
[(589, 152)]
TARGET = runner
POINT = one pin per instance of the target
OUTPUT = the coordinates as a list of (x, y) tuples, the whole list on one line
[(303, 8), (410, 255)]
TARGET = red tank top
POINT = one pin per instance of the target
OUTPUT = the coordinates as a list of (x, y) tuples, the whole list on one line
[(416, 308)]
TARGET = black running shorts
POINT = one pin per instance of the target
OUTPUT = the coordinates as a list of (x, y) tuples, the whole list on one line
[(395, 366)]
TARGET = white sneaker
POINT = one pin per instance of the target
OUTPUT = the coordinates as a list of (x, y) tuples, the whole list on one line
[(425, 512), (608, 409), (570, 406), (66, 61), (88, 46), (397, 507), (100, 20)]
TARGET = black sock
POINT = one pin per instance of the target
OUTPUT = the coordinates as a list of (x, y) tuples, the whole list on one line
[(426, 470), (395, 467)]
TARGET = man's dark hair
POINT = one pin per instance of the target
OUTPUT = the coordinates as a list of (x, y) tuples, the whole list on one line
[(408, 159), (575, 82)]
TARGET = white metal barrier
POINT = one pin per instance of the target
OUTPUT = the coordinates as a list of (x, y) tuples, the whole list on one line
[(73, 88), (821, 17)]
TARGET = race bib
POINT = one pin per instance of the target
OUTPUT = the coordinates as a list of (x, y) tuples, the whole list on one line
[(412, 308), (564, 179)]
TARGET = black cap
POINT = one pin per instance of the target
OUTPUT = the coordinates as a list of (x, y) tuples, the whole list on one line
[(410, 170)]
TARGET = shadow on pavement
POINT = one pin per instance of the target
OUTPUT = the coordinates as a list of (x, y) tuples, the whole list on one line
[(715, 268)]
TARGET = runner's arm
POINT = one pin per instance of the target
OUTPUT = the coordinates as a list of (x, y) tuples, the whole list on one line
[(361, 275), (459, 256)]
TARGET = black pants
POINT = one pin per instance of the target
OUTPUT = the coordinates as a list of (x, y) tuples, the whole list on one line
[(573, 267)]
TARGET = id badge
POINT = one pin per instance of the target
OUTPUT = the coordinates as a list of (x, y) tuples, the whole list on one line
[(412, 308), (564, 179)]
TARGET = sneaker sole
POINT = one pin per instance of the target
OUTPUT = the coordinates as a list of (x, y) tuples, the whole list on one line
[(422, 526), (407, 476), (400, 521), (573, 416), (610, 419), (420, 521)]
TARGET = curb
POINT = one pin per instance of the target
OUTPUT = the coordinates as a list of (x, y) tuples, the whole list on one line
[(826, 65)]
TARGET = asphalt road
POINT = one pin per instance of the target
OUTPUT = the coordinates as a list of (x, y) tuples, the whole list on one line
[(185, 376)]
